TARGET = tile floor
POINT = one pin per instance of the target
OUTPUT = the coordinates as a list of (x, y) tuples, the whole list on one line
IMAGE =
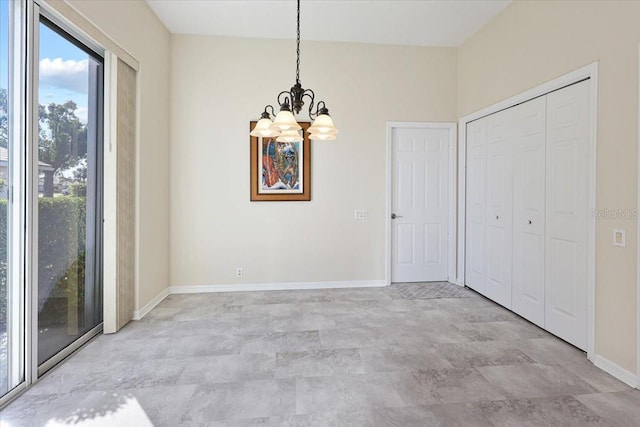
[(344, 357)]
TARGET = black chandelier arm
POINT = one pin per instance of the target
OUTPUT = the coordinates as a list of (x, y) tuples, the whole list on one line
[(309, 94), (266, 114), (287, 99), (321, 108)]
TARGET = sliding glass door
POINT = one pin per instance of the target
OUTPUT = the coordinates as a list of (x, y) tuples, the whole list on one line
[(68, 194), (11, 372), (51, 132)]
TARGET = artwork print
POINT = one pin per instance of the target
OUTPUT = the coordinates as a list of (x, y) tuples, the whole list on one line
[(282, 169)]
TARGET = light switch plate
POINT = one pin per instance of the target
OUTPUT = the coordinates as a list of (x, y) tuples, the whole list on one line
[(619, 237), (360, 214)]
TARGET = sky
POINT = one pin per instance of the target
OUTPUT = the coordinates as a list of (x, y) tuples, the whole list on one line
[(63, 71)]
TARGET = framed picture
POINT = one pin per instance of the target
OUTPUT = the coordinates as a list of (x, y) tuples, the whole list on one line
[(280, 171)]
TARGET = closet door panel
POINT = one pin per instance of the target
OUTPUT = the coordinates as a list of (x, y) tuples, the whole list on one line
[(567, 214), (499, 208), (529, 137), (475, 264)]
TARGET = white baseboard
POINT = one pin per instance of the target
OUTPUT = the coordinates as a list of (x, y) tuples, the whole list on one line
[(139, 314), (244, 287), (616, 370)]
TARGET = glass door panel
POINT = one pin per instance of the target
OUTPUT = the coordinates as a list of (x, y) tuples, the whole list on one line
[(7, 315), (70, 93)]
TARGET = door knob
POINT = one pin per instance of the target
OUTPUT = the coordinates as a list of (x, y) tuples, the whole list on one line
[(394, 216)]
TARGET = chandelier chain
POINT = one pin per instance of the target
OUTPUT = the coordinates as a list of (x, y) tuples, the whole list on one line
[(298, 47)]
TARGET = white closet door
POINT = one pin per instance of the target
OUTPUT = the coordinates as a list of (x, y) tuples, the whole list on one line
[(567, 214), (528, 137), (499, 210), (475, 261)]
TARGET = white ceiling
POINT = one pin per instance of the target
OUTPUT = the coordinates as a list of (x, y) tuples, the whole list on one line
[(418, 22)]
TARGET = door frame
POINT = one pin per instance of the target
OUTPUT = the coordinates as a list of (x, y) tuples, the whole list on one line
[(590, 72), (637, 385), (451, 227)]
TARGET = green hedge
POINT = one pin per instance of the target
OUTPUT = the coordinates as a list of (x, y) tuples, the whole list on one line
[(61, 240), (3, 265)]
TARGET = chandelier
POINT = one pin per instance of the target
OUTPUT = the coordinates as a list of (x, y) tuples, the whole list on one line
[(284, 127)]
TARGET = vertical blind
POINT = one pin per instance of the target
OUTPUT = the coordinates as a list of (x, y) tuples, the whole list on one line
[(126, 197)]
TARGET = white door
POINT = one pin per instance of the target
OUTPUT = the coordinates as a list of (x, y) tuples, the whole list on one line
[(475, 264), (567, 214), (528, 138), (420, 204), (499, 209)]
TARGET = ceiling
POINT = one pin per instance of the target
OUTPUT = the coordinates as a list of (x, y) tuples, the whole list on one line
[(400, 22)]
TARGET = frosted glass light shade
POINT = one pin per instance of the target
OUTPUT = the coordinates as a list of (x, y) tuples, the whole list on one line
[(322, 137), (263, 129), (289, 136), (323, 125), (285, 121)]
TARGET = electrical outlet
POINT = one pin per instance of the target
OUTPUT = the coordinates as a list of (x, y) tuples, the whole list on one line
[(239, 272), (360, 214)]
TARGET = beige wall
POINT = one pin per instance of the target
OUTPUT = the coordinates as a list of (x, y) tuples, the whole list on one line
[(219, 84), (535, 41), (138, 31)]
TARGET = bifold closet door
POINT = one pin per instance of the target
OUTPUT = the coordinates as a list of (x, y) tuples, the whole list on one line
[(528, 139), (475, 260), (499, 208), (567, 213)]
